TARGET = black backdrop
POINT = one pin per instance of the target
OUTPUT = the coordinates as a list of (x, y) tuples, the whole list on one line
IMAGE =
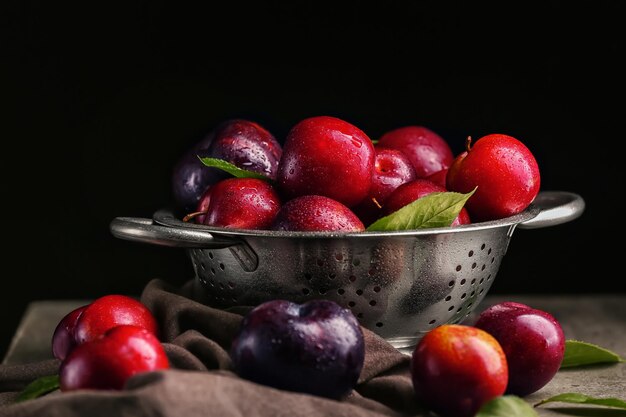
[(102, 100)]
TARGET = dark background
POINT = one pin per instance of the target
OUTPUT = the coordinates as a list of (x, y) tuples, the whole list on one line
[(103, 99)]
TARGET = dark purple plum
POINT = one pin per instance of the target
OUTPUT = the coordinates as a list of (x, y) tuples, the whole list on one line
[(241, 142), (63, 341), (315, 213), (316, 347), (242, 203), (190, 177), (532, 340), (247, 145)]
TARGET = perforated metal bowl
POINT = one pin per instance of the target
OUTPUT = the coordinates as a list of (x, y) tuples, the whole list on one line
[(398, 284)]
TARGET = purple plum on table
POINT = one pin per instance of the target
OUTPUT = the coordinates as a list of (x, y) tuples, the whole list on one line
[(532, 340), (316, 347)]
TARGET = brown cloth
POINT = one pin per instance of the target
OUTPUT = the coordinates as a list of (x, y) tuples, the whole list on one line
[(201, 382)]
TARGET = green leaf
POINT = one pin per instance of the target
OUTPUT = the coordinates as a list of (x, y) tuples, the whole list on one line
[(39, 387), (434, 210), (374, 141), (232, 169), (507, 406), (574, 398), (579, 353)]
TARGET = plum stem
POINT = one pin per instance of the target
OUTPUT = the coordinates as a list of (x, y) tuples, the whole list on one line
[(468, 143), (193, 215), (376, 202)]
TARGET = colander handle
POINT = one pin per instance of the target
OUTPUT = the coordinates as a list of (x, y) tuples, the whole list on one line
[(144, 230), (556, 207)]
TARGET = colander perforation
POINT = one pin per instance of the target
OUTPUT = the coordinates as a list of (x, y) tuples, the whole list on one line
[(398, 284)]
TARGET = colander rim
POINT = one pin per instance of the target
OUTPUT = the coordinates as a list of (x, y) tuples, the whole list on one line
[(166, 217)]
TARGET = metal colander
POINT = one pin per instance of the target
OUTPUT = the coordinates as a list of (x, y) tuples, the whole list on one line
[(398, 284)]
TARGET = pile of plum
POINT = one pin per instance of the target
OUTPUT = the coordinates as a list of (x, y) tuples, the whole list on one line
[(318, 348), (330, 176)]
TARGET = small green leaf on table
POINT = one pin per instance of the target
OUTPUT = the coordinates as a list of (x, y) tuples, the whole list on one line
[(434, 210), (507, 406), (575, 398), (579, 353), (232, 169), (39, 387)]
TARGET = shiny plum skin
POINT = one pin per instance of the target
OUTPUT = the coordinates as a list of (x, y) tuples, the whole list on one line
[(456, 369), (391, 169), (247, 145), (505, 172), (110, 311), (190, 177), (316, 347), (411, 191), (242, 203), (439, 177), (427, 151), (532, 340), (326, 156), (63, 341), (314, 213), (110, 360), (243, 143)]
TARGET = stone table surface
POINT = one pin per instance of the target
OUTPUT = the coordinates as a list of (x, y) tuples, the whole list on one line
[(598, 319)]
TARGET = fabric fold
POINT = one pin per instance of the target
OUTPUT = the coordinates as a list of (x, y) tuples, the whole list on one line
[(197, 339)]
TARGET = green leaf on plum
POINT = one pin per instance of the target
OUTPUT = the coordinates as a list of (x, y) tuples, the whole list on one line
[(232, 169), (507, 406), (434, 210), (575, 398), (39, 387), (579, 353)]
